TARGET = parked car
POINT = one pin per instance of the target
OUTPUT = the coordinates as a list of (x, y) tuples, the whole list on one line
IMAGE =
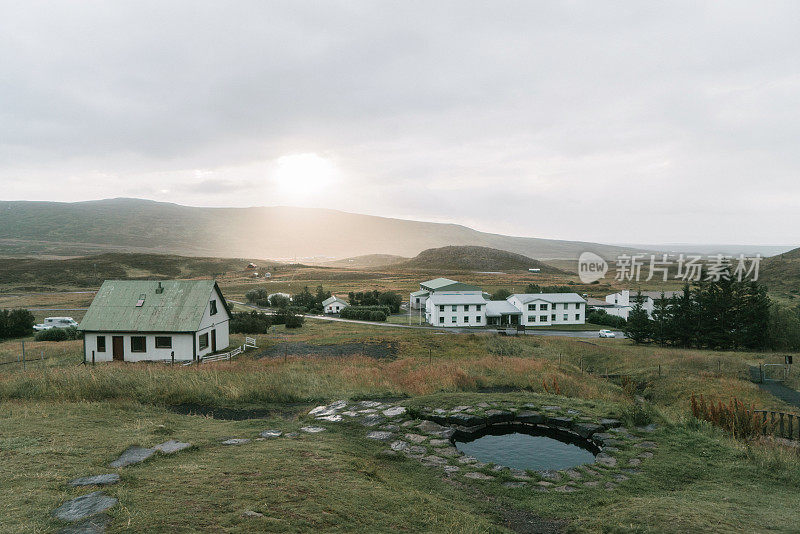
[(607, 333), (56, 322)]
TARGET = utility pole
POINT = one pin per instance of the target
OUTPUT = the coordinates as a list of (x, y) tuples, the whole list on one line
[(23, 354)]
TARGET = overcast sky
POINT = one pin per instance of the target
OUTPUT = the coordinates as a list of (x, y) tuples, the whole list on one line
[(645, 122)]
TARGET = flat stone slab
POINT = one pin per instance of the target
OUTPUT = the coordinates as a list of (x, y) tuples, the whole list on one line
[(313, 429), (399, 445), (551, 408), (172, 446), (415, 438), (432, 459), (565, 489), (450, 469), (334, 418), (474, 475), (133, 455), (646, 445), (252, 513), (606, 460), (417, 449), (439, 442), (634, 462), (646, 455), (429, 427), (236, 441), (394, 411), (271, 433), (94, 525), (84, 506), (380, 435), (449, 452), (372, 420), (96, 480), (550, 475)]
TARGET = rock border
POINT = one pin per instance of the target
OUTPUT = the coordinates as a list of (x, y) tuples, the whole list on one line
[(427, 435)]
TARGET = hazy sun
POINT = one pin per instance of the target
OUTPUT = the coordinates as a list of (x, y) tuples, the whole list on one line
[(299, 175)]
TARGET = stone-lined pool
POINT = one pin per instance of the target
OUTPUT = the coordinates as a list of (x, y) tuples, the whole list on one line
[(533, 449)]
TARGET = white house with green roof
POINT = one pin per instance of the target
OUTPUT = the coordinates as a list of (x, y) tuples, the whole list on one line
[(136, 320), (334, 304), (440, 285)]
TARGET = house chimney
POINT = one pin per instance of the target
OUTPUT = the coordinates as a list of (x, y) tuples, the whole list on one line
[(159, 289)]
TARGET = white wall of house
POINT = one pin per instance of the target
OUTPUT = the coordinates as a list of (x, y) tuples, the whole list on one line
[(542, 312), (335, 306), (219, 322), (181, 345), (453, 315), (417, 302)]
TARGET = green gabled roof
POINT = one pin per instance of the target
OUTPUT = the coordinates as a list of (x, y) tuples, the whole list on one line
[(179, 308), (420, 293), (437, 283)]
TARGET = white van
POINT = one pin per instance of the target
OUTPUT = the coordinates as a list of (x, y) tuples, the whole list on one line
[(56, 322)]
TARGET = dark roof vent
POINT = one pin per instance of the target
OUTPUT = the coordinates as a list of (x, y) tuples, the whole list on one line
[(159, 289)]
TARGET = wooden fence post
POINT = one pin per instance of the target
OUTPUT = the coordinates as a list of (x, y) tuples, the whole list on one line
[(92, 358), (23, 354), (781, 427)]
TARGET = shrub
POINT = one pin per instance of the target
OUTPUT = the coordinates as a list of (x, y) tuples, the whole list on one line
[(250, 323), (16, 323), (365, 313), (637, 414), (279, 301), (255, 295), (59, 334), (736, 418), (602, 318), (293, 320), (503, 346)]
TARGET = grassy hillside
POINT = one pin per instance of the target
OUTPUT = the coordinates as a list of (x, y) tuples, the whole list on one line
[(276, 232), (471, 258), (781, 273), (90, 271)]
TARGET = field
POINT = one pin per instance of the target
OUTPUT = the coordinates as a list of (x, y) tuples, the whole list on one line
[(61, 419), (52, 415)]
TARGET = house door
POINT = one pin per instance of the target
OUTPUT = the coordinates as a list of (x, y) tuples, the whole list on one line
[(118, 348), (213, 341)]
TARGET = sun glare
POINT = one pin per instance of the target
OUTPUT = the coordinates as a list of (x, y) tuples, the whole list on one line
[(299, 175)]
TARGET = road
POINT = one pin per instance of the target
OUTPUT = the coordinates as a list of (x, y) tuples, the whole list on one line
[(585, 334)]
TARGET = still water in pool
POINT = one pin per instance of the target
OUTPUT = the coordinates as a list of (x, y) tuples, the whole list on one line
[(526, 451)]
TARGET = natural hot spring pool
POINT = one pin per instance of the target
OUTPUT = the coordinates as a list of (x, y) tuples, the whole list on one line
[(532, 449)]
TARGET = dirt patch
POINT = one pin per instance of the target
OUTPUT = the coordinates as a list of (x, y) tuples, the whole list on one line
[(383, 350), (524, 522)]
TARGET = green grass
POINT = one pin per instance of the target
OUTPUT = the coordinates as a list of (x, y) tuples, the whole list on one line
[(68, 420)]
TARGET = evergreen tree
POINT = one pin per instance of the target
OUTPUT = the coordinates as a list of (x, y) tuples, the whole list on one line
[(639, 327), (662, 317)]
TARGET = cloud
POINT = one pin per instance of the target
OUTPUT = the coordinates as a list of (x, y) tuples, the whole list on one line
[(636, 122)]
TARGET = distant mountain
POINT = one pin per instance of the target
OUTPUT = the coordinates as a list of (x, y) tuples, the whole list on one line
[(134, 225), (470, 258), (367, 261)]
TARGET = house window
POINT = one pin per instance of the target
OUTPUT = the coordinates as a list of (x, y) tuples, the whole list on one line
[(455, 308), (213, 305), (163, 342), (466, 320), (542, 306), (577, 316), (478, 307), (542, 318), (453, 320), (441, 308), (417, 300), (566, 317), (531, 319), (101, 343), (138, 344), (203, 341), (577, 305), (466, 307), (441, 320), (553, 317), (478, 319), (531, 307)]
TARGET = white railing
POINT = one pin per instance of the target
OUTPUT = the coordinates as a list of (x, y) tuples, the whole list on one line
[(249, 342)]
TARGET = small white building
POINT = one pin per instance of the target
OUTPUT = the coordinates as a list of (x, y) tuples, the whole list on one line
[(334, 304), (132, 320), (456, 309), (621, 303)]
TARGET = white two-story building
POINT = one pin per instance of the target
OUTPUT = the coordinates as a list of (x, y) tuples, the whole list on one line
[(621, 303), (448, 303)]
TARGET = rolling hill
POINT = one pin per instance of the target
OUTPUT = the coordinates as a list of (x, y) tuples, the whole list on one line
[(367, 261), (90, 271), (134, 225), (781, 272), (471, 258)]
